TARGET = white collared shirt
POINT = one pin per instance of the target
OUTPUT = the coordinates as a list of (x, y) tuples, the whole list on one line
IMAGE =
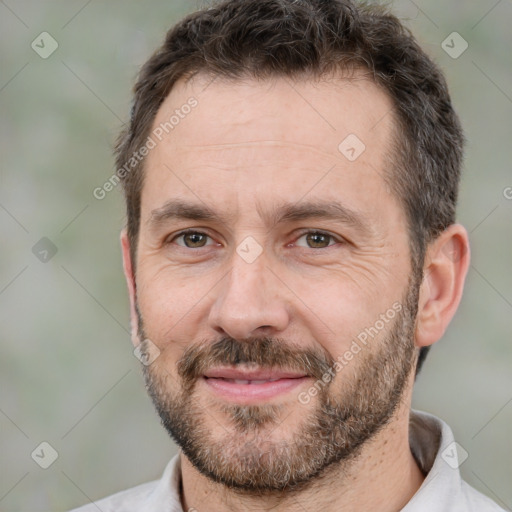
[(432, 445)]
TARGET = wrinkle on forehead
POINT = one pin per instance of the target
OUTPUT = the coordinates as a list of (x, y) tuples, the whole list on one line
[(255, 143), (257, 147)]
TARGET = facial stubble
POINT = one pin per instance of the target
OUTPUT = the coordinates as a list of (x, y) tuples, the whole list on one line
[(333, 428)]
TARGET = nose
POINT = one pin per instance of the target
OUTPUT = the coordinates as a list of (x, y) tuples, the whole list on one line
[(250, 301)]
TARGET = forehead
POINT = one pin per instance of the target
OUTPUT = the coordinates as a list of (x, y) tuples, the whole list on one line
[(269, 137), (319, 111)]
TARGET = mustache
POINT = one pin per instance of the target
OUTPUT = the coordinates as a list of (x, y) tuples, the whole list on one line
[(264, 352)]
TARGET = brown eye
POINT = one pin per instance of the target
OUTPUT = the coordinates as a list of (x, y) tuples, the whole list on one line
[(192, 239), (316, 240)]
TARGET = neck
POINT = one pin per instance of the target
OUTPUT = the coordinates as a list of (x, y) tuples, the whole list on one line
[(384, 477)]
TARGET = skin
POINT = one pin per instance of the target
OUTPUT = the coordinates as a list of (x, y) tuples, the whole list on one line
[(248, 148)]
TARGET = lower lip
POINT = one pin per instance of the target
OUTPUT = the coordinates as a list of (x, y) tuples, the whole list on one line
[(252, 392)]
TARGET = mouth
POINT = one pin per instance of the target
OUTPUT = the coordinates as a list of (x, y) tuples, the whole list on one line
[(251, 385)]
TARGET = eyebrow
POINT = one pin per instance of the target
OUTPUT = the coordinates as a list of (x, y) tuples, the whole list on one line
[(177, 209), (331, 210)]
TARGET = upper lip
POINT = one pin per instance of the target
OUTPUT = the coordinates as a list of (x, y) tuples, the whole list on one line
[(233, 373)]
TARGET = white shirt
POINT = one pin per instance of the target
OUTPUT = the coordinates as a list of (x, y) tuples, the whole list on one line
[(432, 444)]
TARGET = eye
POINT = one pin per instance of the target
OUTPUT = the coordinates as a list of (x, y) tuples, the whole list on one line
[(316, 240), (192, 239)]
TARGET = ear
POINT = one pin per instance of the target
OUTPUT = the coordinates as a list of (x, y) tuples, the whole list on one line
[(445, 269), (132, 289)]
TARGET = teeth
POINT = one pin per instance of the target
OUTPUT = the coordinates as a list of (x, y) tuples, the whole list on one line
[(241, 381)]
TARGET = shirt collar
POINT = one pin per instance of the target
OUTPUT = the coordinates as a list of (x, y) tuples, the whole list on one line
[(166, 495), (434, 448)]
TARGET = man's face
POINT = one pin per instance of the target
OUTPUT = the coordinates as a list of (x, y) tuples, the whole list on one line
[(270, 249)]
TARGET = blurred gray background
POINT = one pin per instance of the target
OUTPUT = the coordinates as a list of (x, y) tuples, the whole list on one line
[(68, 376)]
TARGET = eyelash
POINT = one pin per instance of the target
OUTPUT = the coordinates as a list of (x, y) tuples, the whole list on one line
[(305, 233)]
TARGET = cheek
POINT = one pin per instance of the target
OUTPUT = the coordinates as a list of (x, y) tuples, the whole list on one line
[(169, 306), (336, 316), (338, 309)]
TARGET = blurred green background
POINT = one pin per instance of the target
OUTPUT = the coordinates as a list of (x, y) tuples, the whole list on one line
[(67, 372)]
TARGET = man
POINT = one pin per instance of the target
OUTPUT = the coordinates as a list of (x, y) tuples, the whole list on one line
[(291, 171)]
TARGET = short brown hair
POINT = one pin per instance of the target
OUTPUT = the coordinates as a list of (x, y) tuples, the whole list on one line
[(310, 39)]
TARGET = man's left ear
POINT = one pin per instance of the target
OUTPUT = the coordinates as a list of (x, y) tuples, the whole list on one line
[(445, 269)]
